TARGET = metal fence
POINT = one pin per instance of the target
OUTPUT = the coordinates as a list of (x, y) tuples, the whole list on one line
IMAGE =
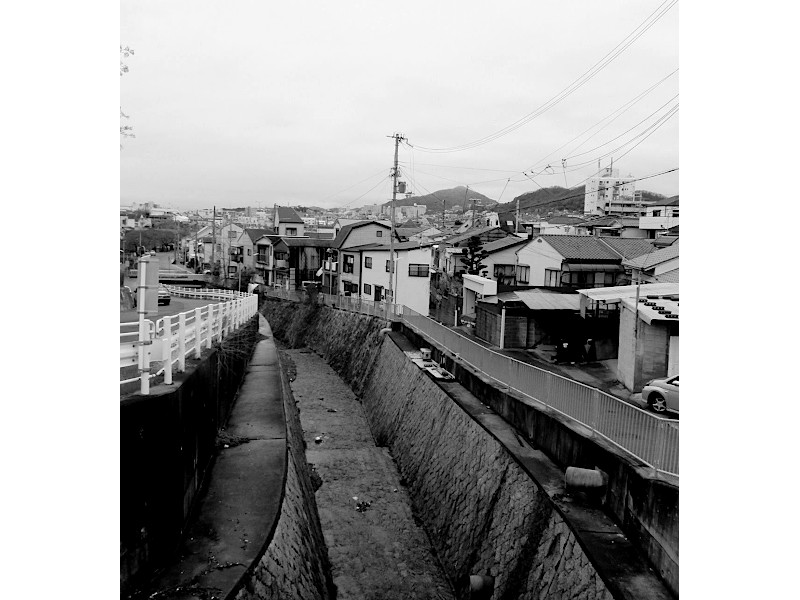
[(648, 437), (170, 339)]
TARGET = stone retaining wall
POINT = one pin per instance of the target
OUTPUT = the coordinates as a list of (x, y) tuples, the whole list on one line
[(483, 512), (295, 563)]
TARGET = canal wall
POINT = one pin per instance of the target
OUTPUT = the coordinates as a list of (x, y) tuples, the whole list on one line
[(482, 506)]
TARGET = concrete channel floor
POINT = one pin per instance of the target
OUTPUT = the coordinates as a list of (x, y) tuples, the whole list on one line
[(376, 550)]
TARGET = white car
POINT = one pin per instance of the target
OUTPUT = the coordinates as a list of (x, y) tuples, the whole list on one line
[(661, 395)]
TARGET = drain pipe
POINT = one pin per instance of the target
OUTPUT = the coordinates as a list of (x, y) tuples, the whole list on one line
[(385, 330)]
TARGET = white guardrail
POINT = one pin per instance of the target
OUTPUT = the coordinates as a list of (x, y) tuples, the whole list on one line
[(648, 437), (172, 338)]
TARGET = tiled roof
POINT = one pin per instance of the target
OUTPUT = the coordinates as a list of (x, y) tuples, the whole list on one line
[(286, 214), (628, 247), (652, 259), (668, 277), (469, 233), (503, 243), (564, 220), (345, 231), (580, 247), (254, 234)]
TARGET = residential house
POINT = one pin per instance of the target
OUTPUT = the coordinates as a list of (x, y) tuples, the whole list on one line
[(353, 235), (265, 259), (556, 225), (658, 266), (612, 226), (287, 223), (411, 282), (226, 237), (450, 250), (244, 250), (572, 261), (501, 262), (660, 217)]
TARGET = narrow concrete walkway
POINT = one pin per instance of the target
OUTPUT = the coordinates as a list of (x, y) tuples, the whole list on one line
[(376, 549)]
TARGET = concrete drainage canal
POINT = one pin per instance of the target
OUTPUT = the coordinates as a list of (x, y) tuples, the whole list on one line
[(376, 547)]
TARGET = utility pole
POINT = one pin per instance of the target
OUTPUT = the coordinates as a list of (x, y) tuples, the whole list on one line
[(213, 239), (473, 206), (397, 138), (516, 226)]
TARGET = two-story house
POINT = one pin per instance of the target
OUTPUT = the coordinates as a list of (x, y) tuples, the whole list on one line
[(501, 262), (244, 250), (658, 266), (574, 261), (287, 223), (353, 235), (411, 275)]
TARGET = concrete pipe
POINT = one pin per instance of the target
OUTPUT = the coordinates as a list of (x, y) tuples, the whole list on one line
[(385, 330), (481, 587), (585, 479)]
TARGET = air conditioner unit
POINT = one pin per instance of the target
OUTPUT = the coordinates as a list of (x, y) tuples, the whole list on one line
[(425, 353)]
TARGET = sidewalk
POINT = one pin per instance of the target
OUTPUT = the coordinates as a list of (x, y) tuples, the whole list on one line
[(598, 374)]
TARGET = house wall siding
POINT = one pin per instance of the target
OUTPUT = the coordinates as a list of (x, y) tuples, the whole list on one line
[(366, 234), (539, 255), (639, 362)]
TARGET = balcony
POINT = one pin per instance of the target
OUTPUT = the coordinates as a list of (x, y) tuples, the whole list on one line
[(262, 259)]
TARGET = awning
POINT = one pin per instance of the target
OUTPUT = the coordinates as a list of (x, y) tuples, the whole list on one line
[(597, 267)]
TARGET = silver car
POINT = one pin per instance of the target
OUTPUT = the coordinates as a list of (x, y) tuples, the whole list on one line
[(661, 394)]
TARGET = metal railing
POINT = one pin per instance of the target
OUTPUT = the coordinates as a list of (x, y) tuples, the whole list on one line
[(652, 439), (171, 339), (648, 437)]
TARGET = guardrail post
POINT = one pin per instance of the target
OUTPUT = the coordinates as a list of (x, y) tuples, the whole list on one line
[(181, 342), (167, 350), (210, 326), (595, 409), (658, 460), (198, 326)]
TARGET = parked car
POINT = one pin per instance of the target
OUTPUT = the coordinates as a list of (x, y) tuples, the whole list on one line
[(164, 296), (661, 394)]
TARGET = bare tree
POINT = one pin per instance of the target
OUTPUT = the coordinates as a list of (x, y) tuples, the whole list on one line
[(124, 130)]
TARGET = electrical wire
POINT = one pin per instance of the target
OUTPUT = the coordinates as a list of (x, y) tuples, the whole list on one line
[(570, 89), (368, 191), (354, 185), (621, 110)]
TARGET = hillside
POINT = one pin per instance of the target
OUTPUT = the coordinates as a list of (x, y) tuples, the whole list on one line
[(554, 199), (452, 197)]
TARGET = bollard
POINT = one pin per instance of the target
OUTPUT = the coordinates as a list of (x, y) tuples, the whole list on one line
[(166, 351)]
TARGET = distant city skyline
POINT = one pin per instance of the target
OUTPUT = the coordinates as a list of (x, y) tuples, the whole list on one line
[(263, 104)]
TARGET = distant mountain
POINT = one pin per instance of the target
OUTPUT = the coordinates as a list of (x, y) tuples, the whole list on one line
[(555, 199), (457, 196)]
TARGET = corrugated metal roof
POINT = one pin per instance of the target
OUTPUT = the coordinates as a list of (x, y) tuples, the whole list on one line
[(617, 293), (536, 299), (585, 247)]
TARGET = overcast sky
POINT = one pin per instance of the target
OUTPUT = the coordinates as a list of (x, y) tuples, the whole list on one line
[(253, 103)]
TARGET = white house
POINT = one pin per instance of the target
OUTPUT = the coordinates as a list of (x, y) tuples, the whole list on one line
[(412, 277), (575, 261), (287, 223), (501, 263)]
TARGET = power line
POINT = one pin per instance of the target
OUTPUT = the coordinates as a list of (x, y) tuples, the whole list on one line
[(621, 110), (570, 89), (368, 191), (352, 186)]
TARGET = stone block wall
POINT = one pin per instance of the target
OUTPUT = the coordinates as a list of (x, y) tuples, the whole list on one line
[(295, 563), (465, 485)]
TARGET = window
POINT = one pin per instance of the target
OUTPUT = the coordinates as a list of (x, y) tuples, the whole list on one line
[(291, 231), (367, 262), (387, 266), (417, 270), (656, 213), (349, 263), (523, 274), (504, 274), (351, 287), (552, 277), (249, 252), (378, 233), (367, 289), (232, 234)]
